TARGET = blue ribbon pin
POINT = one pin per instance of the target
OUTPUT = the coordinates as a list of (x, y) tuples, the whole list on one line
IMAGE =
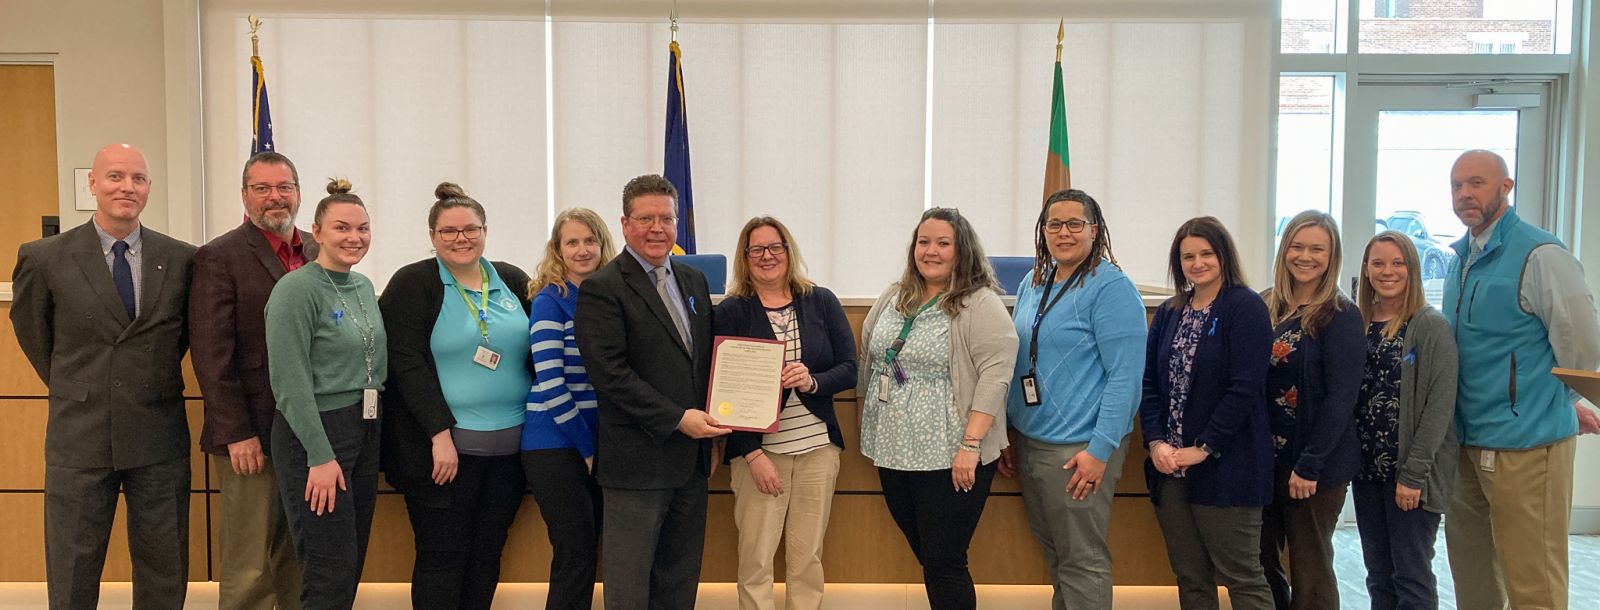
[(1213, 331), (1410, 357), (337, 316), (691, 307)]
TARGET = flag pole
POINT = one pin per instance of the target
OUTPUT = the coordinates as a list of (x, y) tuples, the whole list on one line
[(255, 40), (1061, 34), (674, 18)]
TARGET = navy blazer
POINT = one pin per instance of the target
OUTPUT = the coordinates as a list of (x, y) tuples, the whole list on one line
[(827, 348), (1225, 410), (1325, 448)]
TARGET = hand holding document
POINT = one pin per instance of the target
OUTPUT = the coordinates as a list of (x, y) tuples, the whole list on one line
[(746, 383)]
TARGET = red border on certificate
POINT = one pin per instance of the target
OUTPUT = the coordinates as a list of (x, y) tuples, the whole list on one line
[(711, 382)]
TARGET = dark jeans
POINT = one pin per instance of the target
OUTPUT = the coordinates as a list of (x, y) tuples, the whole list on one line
[(78, 507), (1397, 546), (1306, 528), (569, 501), (938, 522), (333, 546), (653, 540), (460, 540)]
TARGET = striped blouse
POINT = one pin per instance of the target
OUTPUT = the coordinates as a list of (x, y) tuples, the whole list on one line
[(799, 430), (562, 411)]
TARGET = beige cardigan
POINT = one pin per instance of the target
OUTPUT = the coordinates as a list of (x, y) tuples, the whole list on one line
[(983, 354)]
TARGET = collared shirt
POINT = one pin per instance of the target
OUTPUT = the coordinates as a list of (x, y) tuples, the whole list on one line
[(135, 256), (482, 399), (672, 286), (291, 253), (1554, 289)]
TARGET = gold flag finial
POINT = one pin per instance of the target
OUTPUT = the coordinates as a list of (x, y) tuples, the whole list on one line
[(255, 41), (1061, 34)]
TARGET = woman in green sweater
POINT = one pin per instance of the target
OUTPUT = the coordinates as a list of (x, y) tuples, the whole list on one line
[(326, 353)]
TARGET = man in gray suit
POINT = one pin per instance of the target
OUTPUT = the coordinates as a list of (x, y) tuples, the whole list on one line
[(99, 311)]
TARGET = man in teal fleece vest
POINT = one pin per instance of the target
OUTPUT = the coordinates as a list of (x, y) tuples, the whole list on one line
[(1519, 306)]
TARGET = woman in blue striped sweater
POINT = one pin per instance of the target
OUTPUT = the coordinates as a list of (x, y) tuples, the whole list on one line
[(558, 438)]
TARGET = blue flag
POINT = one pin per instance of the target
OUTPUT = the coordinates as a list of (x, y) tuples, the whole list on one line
[(261, 129), (677, 153)]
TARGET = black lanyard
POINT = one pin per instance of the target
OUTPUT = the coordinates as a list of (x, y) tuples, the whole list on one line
[(1038, 316)]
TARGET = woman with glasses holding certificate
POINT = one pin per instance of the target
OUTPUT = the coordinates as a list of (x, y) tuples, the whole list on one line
[(1074, 393), (937, 354), (458, 354), (783, 480)]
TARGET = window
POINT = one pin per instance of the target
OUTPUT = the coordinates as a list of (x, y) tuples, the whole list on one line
[(1308, 26), (1462, 26), (1305, 145)]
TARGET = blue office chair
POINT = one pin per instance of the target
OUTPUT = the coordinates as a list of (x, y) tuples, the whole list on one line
[(714, 266), (1009, 271)]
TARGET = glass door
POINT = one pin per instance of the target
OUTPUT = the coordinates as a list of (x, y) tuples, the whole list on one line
[(1401, 155)]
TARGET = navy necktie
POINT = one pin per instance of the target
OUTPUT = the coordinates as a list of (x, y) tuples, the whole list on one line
[(122, 276)]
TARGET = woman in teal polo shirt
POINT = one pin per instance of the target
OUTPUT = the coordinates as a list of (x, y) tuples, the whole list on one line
[(458, 355)]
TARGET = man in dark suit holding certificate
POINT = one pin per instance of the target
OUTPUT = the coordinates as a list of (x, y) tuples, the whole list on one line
[(643, 326), (100, 313)]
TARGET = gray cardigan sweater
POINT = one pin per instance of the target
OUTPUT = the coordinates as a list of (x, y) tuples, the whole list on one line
[(983, 352), (1428, 449)]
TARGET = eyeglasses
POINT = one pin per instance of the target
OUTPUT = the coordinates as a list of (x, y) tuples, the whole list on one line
[(775, 250), (452, 233), (261, 190), (650, 221), (1075, 225)]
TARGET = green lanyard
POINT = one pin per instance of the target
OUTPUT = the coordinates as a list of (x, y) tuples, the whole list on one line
[(479, 310), (905, 331)]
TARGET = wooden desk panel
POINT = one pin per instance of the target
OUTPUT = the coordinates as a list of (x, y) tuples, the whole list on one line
[(23, 539), (22, 445)]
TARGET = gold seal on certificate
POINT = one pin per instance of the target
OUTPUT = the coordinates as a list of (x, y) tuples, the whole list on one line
[(746, 383)]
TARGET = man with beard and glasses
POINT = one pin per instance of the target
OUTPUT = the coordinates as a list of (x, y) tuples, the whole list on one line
[(233, 275)]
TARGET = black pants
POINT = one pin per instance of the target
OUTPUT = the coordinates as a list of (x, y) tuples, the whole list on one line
[(78, 507), (938, 522), (1397, 547), (333, 546), (569, 501), (653, 541), (459, 539)]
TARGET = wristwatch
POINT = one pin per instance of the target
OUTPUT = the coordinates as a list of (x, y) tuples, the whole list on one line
[(1212, 453)]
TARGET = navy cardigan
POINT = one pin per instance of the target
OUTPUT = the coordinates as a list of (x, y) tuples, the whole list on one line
[(827, 348), (1325, 447), (1225, 410)]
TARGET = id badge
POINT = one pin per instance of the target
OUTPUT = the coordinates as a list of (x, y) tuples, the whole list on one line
[(369, 403), (883, 388), (486, 358), (1486, 460), (1030, 390)]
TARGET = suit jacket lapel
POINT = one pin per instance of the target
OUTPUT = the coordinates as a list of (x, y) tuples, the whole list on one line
[(91, 262), (637, 279), (153, 276), (261, 249)]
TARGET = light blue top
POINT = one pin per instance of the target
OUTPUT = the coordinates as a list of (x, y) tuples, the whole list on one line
[(481, 399), (1091, 362), (920, 427)]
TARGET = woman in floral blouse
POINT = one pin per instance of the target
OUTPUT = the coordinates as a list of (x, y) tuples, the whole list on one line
[(1210, 466), (1405, 420), (1312, 381)]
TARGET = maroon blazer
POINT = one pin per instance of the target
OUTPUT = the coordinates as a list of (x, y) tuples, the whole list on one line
[(233, 276)]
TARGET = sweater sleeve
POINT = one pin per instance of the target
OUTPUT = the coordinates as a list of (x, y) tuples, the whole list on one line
[(992, 346), (291, 322), (405, 306), (1344, 357), (1152, 420), (1435, 375), (550, 402), (1118, 320), (842, 374)]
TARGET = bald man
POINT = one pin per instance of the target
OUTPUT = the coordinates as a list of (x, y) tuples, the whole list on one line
[(99, 311), (1519, 306)]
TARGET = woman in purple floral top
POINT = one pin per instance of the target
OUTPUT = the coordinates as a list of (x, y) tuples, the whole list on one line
[(1210, 466)]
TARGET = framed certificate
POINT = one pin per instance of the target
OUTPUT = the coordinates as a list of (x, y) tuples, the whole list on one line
[(746, 383)]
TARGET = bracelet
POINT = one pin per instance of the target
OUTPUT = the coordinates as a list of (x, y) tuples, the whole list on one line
[(751, 457), (970, 448), (813, 388), (975, 439)]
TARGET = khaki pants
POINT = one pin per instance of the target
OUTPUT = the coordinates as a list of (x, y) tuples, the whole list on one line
[(1507, 529), (798, 517), (258, 568)]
